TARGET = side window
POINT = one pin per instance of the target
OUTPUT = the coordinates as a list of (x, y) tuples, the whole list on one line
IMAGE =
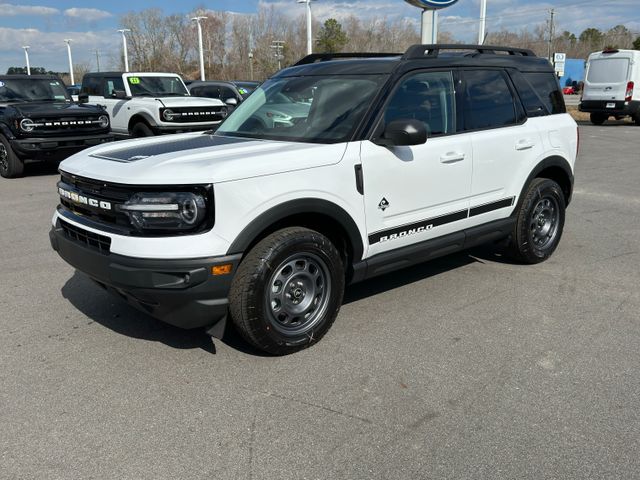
[(91, 86), (548, 88), (196, 92), (111, 84), (428, 97), (488, 101), (533, 104), (226, 93)]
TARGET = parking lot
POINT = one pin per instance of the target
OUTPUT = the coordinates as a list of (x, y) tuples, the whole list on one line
[(467, 367)]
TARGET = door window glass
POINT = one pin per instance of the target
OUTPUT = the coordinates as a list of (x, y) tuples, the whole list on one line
[(428, 97), (488, 101), (111, 84)]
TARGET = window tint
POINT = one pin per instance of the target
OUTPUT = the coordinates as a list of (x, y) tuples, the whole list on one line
[(547, 87), (533, 104), (226, 93), (488, 102), (111, 84), (92, 86), (428, 97)]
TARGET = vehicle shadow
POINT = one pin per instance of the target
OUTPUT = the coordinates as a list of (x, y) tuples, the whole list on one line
[(40, 169), (118, 316)]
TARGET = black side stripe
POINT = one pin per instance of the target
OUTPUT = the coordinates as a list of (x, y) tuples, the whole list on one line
[(490, 207), (428, 224)]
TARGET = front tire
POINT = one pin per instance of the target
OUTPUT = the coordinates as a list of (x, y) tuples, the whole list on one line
[(10, 165), (287, 291), (141, 130), (598, 118), (539, 222)]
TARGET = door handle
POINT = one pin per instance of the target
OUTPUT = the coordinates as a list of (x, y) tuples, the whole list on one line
[(452, 157), (525, 144)]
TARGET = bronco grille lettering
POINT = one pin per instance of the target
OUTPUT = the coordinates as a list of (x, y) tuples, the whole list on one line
[(84, 200)]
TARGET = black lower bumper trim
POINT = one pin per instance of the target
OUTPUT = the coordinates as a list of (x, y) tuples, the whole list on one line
[(183, 293), (43, 148), (620, 108)]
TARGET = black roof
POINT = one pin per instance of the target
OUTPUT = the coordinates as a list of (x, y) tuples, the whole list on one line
[(418, 56), (27, 77), (102, 74)]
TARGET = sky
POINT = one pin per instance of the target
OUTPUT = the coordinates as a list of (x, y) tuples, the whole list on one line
[(44, 24)]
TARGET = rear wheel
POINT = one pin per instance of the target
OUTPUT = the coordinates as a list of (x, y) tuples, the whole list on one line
[(287, 291), (10, 165), (539, 222), (637, 119), (141, 129), (598, 118)]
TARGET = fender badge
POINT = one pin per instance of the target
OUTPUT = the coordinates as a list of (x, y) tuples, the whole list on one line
[(384, 204)]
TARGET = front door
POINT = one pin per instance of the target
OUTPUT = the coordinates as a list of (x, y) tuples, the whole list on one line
[(117, 108), (416, 193)]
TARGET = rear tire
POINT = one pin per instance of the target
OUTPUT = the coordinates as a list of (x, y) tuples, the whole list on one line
[(598, 118), (539, 222), (141, 130), (10, 165), (287, 291), (637, 119)]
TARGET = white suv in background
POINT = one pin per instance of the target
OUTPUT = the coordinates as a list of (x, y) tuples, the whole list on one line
[(396, 160), (146, 104)]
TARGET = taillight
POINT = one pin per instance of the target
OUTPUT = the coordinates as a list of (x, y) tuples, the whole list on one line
[(629, 95)]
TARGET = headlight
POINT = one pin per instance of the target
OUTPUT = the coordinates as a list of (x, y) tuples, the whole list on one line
[(224, 111), (165, 211), (168, 115), (27, 125), (103, 121)]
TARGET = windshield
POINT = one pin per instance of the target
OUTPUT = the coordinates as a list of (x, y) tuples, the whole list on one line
[(322, 109), (33, 89), (157, 86)]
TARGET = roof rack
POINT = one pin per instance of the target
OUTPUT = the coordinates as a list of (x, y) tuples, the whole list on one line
[(422, 51), (326, 57)]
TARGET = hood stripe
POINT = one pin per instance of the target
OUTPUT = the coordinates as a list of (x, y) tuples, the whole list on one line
[(133, 154)]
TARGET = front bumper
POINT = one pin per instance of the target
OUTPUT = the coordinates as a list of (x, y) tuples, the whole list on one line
[(46, 148), (183, 293), (623, 109)]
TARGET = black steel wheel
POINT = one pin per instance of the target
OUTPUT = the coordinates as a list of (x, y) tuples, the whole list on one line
[(539, 222), (287, 291)]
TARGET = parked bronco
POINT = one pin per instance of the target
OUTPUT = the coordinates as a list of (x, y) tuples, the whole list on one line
[(39, 121), (146, 104), (397, 159)]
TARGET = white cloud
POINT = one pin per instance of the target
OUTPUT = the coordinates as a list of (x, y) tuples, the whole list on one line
[(10, 10), (87, 14)]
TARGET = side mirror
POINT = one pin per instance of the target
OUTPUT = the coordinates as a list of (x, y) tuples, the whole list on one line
[(119, 94), (232, 102), (83, 98), (402, 133)]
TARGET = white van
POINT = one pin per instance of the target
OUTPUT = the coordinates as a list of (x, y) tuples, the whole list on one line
[(612, 86)]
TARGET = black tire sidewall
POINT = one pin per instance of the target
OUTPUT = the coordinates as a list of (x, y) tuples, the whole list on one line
[(524, 247), (141, 130), (257, 328), (15, 166)]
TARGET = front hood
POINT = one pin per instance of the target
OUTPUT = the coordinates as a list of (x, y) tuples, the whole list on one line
[(55, 109), (176, 102), (197, 159)]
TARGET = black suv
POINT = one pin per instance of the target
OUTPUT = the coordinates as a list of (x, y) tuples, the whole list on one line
[(40, 121)]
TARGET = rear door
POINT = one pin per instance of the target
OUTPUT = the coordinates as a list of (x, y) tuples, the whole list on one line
[(607, 77)]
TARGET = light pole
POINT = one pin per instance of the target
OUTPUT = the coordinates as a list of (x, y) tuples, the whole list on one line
[(309, 27), (201, 51), (68, 42), (124, 48), (26, 57), (251, 66), (278, 45), (483, 21)]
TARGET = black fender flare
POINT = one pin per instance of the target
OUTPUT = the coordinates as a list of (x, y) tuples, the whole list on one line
[(6, 131), (553, 161), (296, 207)]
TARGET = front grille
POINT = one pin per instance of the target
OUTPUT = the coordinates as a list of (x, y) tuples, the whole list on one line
[(66, 125), (198, 114), (89, 239)]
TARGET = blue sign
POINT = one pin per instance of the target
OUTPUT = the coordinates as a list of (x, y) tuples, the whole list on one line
[(431, 4)]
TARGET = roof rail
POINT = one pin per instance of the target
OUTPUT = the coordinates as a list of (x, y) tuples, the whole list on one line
[(326, 57), (422, 51)]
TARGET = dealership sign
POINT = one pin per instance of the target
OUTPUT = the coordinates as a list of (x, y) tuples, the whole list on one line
[(431, 4)]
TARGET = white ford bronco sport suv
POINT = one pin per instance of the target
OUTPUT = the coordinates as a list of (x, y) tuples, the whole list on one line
[(146, 104), (397, 160)]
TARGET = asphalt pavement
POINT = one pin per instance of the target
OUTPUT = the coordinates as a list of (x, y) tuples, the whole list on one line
[(468, 367)]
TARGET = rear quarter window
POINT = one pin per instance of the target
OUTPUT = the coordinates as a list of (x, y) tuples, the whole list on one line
[(548, 89)]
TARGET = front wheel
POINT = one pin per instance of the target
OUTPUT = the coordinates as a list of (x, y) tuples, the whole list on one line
[(287, 291), (539, 222), (141, 130), (10, 165)]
